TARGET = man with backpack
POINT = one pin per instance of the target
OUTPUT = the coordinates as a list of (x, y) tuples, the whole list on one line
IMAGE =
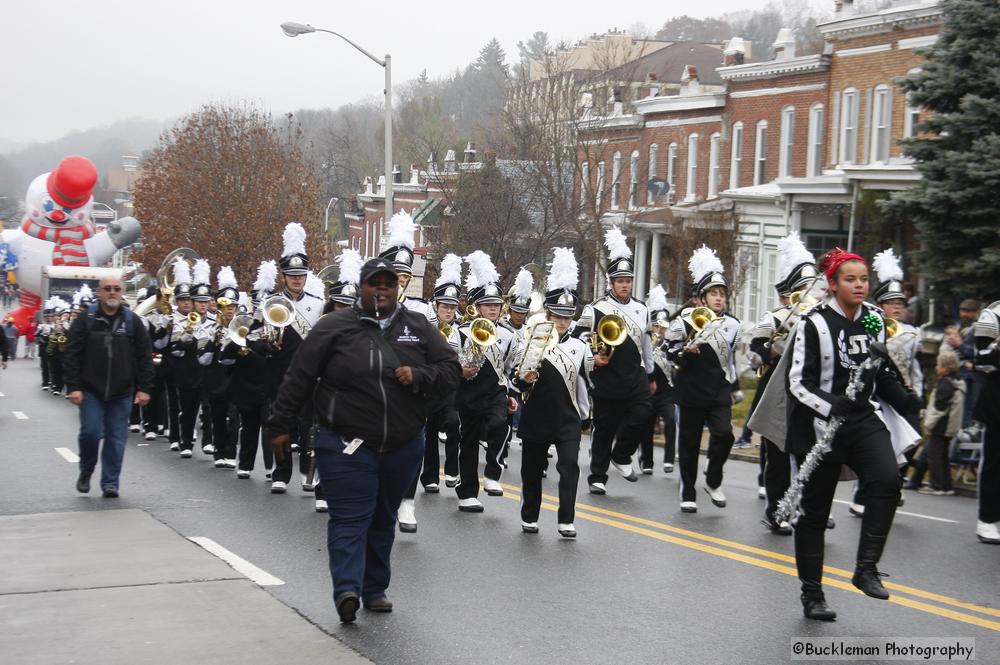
[(109, 366)]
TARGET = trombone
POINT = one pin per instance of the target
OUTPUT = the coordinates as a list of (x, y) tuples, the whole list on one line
[(701, 321), (609, 333)]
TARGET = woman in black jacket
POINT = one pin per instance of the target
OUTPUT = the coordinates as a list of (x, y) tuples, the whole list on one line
[(371, 371), (830, 344)]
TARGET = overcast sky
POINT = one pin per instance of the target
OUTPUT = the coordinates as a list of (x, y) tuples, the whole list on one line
[(72, 64)]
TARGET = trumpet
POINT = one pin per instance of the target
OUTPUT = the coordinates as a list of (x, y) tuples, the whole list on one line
[(445, 329), (659, 329), (701, 321), (610, 332), (193, 319), (469, 314), (482, 334)]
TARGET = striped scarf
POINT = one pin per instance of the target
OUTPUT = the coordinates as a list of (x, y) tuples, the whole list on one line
[(69, 249)]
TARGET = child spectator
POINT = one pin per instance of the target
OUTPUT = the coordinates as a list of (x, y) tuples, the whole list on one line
[(942, 420)]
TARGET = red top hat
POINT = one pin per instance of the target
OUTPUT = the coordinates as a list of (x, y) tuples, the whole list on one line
[(72, 182)]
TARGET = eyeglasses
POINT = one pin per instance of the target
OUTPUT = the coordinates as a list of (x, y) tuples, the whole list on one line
[(111, 289)]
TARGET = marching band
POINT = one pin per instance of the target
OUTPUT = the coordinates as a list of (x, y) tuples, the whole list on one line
[(838, 381)]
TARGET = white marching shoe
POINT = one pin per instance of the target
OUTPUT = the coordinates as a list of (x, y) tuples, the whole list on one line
[(278, 487), (597, 488), (220, 464), (567, 531), (529, 527), (717, 496), (450, 481), (175, 446), (856, 509), (492, 487), (470, 505), (761, 493), (689, 507), (668, 467), (134, 428), (208, 449), (628, 473), (407, 516), (242, 473), (321, 506), (988, 532), (186, 454), (150, 436)]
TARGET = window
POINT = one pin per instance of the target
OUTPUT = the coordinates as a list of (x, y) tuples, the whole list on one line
[(849, 126), (599, 189), (616, 176), (881, 123), (912, 113), (736, 157), (633, 180), (786, 155), (584, 183), (760, 154), (692, 170), (814, 158), (713, 165), (672, 171), (654, 155)]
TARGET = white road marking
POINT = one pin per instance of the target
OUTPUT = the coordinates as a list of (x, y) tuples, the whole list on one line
[(20, 415), (2, 395), (142, 444), (238, 563), (903, 512), (68, 455)]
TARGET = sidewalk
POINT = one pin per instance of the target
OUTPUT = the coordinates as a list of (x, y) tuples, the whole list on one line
[(117, 586)]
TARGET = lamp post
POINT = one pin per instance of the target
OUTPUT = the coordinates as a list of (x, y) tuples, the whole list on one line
[(293, 29), (326, 226)]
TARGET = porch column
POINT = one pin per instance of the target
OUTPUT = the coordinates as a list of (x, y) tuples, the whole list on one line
[(641, 266), (654, 261)]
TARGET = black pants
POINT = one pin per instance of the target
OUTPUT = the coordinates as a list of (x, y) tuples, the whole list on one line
[(936, 453), (156, 410), (989, 475), (135, 415), (619, 426), (720, 442), (225, 427), (663, 410), (43, 357), (207, 438), (443, 420), (867, 449), (299, 435), (56, 371), (250, 419), (777, 475), (189, 400), (533, 461), (487, 424), (173, 410)]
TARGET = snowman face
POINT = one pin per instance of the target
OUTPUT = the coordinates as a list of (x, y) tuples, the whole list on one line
[(45, 211)]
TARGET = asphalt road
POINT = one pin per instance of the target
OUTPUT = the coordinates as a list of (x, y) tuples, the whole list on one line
[(643, 583)]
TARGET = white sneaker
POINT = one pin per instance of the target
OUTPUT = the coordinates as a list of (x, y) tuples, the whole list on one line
[(717, 496), (567, 531), (186, 453), (529, 527), (57, 393), (856, 509), (407, 516), (450, 481), (988, 532), (306, 485), (628, 473), (208, 449), (175, 446), (278, 487), (492, 487), (242, 474), (321, 506), (761, 493), (598, 488), (165, 433), (46, 388), (220, 464), (134, 428), (689, 507), (472, 505), (150, 436), (668, 467), (230, 464)]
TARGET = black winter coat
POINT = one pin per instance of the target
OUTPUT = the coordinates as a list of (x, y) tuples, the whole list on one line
[(102, 358)]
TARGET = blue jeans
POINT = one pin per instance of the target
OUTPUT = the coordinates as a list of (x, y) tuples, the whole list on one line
[(106, 420), (363, 491)]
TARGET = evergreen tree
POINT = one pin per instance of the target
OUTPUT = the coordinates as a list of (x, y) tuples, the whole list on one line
[(955, 205)]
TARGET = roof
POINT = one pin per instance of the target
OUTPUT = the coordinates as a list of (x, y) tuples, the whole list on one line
[(668, 63)]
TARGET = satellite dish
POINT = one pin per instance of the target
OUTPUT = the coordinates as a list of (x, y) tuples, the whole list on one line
[(658, 186)]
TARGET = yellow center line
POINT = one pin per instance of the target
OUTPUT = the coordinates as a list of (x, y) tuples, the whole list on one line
[(596, 514)]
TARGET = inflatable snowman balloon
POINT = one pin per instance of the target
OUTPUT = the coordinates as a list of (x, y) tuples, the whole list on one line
[(57, 230)]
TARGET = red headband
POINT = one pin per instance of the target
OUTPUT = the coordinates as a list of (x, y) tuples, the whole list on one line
[(835, 258)]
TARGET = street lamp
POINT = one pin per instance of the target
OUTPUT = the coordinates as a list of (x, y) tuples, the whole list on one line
[(326, 226), (293, 29)]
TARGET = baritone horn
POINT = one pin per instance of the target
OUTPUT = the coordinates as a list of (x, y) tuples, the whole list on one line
[(239, 328), (278, 312), (610, 332)]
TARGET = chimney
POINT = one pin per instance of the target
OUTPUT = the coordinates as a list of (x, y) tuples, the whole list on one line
[(843, 5), (689, 79), (414, 175), (654, 84), (784, 44), (449, 162), (469, 154), (381, 185), (368, 185), (432, 163), (617, 108), (397, 175), (735, 52)]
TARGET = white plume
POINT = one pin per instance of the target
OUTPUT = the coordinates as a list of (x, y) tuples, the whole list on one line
[(451, 270), (350, 266), (202, 272), (887, 266), (267, 274), (401, 229), (141, 294), (563, 272), (182, 271), (227, 278), (314, 285), (704, 261), (792, 252), (76, 298), (59, 303), (617, 246), (294, 239), (481, 270), (48, 304), (524, 284), (85, 292), (657, 299)]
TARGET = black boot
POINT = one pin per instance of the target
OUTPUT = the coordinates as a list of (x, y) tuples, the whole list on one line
[(874, 532), (867, 579), (814, 602)]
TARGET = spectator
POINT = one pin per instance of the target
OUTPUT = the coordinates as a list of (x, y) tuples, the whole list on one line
[(108, 355), (10, 330), (942, 420), (3, 351), (968, 312)]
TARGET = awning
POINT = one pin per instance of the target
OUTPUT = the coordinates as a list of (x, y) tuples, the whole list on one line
[(429, 213)]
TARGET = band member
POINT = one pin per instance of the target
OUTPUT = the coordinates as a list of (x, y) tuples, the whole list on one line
[(42, 337), (280, 346), (663, 398), (443, 416), (551, 373), (225, 418), (484, 399), (204, 302), (622, 386), (519, 301), (57, 345), (829, 346), (155, 412), (706, 384), (187, 350), (400, 252), (160, 323), (987, 411), (344, 292), (249, 385), (765, 328)]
